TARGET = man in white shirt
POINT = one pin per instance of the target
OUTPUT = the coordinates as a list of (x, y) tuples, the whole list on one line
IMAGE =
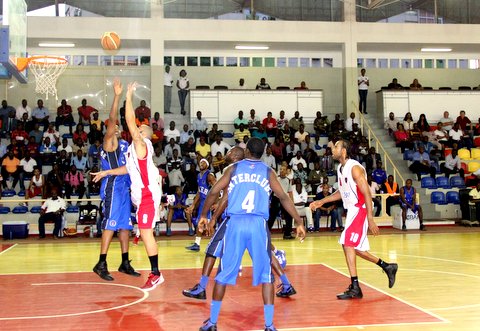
[(167, 90), (296, 160), (219, 146), (452, 165), (27, 165), (301, 134), (350, 121), (269, 159), (65, 146), (175, 177), (475, 199), (52, 210), (199, 125), (185, 135), (22, 109), (363, 84), (447, 121), (391, 123), (172, 132), (292, 149), (170, 147), (441, 134)]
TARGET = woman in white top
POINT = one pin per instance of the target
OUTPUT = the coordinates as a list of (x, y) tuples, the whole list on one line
[(37, 185), (183, 85)]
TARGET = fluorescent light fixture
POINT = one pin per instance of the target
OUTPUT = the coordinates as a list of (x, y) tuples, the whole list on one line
[(428, 49), (251, 47), (60, 45)]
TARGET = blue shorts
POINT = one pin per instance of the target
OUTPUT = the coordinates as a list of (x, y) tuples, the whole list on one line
[(116, 210), (250, 233), (200, 207), (178, 214), (215, 246)]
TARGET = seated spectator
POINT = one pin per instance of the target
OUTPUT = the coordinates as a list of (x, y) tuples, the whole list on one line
[(185, 134), (277, 149), (350, 122), (159, 158), (176, 211), (74, 183), (379, 175), (170, 147), (402, 138), (36, 133), (240, 120), (263, 85), (292, 150), (94, 134), (300, 134), (25, 169), (55, 178), (303, 86), (141, 120), (243, 144), (94, 154), (191, 184), (270, 125), (474, 196), (415, 136), (188, 151), (371, 160), (10, 168), (355, 135), (20, 135), (80, 161), (84, 113), (464, 123), (321, 125), (80, 133), (286, 134), (335, 122), (199, 126), (260, 133), (253, 121), (41, 114), (143, 110), (176, 161), (447, 121), (422, 123), (36, 187), (374, 190), (432, 138), (339, 131), (326, 162), (157, 135), (64, 161), (269, 159), (315, 177), (125, 134), (408, 122), (53, 134), (48, 152), (407, 201), (282, 120), (240, 133), (79, 144), (203, 150), (390, 187), (171, 132), (296, 160), (452, 165), (52, 209), (416, 85), (64, 116), (300, 199), (330, 209), (302, 175), (175, 176), (213, 133), (295, 122), (98, 122), (26, 122), (10, 123), (92, 186), (24, 108), (157, 119), (218, 145), (422, 163), (394, 85), (218, 163), (33, 148), (16, 148), (441, 135), (459, 137), (308, 153), (476, 128)]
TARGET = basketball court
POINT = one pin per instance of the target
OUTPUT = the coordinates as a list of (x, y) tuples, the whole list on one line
[(50, 285)]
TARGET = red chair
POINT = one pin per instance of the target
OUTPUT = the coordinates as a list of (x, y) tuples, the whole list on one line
[(476, 142), (447, 151), (465, 168)]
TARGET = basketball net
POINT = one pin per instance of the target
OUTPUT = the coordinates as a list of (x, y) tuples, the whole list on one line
[(46, 70)]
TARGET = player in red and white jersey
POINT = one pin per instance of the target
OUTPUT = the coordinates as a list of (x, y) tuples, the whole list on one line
[(355, 193)]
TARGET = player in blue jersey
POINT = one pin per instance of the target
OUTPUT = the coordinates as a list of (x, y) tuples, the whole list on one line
[(407, 201), (205, 180), (114, 192), (214, 248), (176, 210), (249, 183)]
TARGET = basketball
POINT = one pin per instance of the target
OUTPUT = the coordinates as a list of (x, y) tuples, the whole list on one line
[(70, 232), (110, 41), (86, 231)]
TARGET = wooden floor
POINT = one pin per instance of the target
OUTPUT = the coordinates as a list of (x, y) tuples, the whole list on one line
[(48, 285)]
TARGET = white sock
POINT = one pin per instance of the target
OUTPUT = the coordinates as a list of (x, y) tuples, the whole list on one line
[(198, 240)]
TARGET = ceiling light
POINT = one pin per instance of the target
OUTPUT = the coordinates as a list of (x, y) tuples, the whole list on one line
[(427, 49), (61, 45), (250, 47)]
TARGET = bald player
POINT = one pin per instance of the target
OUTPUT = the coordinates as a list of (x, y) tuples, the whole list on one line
[(214, 248)]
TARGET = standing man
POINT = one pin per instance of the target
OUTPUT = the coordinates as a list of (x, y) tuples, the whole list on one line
[(355, 193), (114, 193), (363, 84), (167, 90), (249, 183)]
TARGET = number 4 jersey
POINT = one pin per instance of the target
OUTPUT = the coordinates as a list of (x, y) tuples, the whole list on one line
[(249, 189)]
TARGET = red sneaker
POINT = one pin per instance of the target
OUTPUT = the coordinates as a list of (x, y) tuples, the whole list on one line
[(152, 282), (135, 240)]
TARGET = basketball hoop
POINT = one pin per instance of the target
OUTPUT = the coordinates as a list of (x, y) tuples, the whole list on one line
[(46, 70)]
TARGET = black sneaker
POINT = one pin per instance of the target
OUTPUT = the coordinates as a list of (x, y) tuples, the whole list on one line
[(270, 328), (208, 326), (352, 292), (422, 227), (286, 291), (391, 271), (102, 270), (126, 268), (196, 292), (404, 227)]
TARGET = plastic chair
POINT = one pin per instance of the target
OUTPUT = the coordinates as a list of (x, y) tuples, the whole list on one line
[(457, 181), (473, 166), (283, 88), (4, 210), (227, 135), (438, 198), (476, 142), (35, 209), (428, 182), (445, 88), (20, 210), (8, 193), (408, 155), (67, 136), (465, 88), (442, 182), (475, 153), (72, 209), (464, 154), (202, 87), (220, 87), (447, 151), (453, 197), (464, 167)]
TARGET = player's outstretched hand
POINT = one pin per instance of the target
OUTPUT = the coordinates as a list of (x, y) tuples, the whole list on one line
[(97, 176), (301, 233), (130, 89), (373, 228), (314, 205), (117, 87)]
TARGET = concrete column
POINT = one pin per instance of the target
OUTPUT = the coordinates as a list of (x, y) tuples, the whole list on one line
[(349, 52), (156, 59)]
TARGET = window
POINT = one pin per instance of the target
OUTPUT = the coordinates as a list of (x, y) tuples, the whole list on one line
[(92, 60), (293, 62), (383, 63), (417, 63), (244, 62), (269, 62), (192, 61), (218, 61), (360, 63), (78, 60), (281, 62), (406, 63), (167, 60), (394, 63), (132, 60), (232, 61), (304, 62), (452, 63), (463, 64), (257, 62), (328, 62), (316, 62), (205, 61), (119, 60), (179, 61), (440, 64), (371, 63), (428, 63)]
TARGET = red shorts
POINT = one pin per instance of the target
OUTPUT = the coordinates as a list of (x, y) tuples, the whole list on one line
[(147, 211), (34, 192), (356, 228)]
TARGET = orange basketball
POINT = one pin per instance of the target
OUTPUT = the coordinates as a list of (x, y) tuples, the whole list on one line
[(110, 41)]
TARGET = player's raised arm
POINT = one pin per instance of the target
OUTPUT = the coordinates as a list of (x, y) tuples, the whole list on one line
[(110, 141), (137, 138), (220, 185)]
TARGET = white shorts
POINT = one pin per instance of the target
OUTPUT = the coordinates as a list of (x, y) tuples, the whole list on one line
[(356, 228)]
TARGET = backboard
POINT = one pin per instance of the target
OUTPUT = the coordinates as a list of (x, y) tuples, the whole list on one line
[(13, 37)]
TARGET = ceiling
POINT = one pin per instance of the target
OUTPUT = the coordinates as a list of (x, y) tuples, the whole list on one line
[(452, 11)]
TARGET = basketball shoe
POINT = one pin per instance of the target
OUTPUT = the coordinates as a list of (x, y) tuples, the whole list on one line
[(152, 282), (194, 247), (102, 270), (270, 328), (208, 326), (196, 292), (352, 292), (286, 291), (391, 271), (126, 268)]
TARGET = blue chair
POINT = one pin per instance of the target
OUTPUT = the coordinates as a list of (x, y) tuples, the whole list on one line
[(8, 193), (453, 197), (4, 210), (428, 182), (408, 155), (438, 198), (227, 135), (35, 209), (67, 136), (457, 181), (72, 209), (20, 210), (21, 194), (442, 182)]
